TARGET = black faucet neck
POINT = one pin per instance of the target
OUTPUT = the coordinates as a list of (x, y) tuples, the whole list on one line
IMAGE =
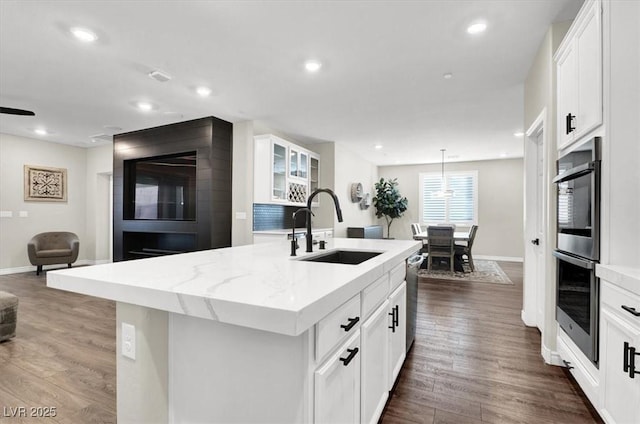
[(336, 203)]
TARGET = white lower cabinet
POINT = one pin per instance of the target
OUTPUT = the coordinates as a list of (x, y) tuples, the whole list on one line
[(337, 385), (375, 364), (620, 355), (398, 336)]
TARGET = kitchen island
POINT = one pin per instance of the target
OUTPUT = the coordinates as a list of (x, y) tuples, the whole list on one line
[(250, 334)]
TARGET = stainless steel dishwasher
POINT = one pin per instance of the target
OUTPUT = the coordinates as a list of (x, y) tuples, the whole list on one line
[(413, 266)]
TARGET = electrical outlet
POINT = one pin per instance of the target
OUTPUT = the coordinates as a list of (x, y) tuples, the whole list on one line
[(128, 340)]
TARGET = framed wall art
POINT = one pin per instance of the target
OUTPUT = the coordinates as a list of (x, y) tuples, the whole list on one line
[(45, 184)]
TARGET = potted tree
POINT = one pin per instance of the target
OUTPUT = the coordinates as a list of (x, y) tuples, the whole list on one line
[(388, 201)]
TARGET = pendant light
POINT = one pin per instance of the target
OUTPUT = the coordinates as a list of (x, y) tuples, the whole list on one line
[(443, 192)]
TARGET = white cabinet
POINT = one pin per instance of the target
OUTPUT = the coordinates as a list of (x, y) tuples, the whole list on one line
[(620, 354), (375, 363), (397, 319), (283, 171), (337, 385), (298, 163), (278, 171), (579, 76)]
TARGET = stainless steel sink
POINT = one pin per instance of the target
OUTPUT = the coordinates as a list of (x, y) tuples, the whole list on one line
[(349, 257)]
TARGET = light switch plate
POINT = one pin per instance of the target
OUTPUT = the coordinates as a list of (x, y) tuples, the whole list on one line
[(23, 214), (128, 340), (241, 215), (6, 214)]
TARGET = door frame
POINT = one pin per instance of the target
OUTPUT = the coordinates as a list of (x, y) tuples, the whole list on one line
[(534, 293)]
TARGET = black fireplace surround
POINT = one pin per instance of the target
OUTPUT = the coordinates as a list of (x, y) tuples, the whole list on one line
[(172, 189)]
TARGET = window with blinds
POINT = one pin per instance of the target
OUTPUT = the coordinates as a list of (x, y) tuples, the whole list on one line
[(461, 208)]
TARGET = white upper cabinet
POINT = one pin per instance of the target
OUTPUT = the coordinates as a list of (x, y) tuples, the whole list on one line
[(284, 173), (579, 74)]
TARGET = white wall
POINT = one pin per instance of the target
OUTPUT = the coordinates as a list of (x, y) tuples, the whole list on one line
[(242, 184), (500, 202), (350, 168), (324, 215), (15, 233), (98, 200)]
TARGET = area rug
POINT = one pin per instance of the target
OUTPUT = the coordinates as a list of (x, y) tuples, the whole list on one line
[(486, 272)]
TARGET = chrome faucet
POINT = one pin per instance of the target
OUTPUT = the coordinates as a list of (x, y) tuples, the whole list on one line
[(309, 199), (294, 240)]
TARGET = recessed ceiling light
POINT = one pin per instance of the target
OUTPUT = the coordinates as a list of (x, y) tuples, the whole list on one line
[(40, 131), (477, 28), (144, 106), (518, 134), (448, 75), (378, 146), (203, 91), (83, 34), (503, 155), (312, 65)]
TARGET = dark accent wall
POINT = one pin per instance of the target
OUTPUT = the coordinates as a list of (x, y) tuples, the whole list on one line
[(211, 139), (273, 217)]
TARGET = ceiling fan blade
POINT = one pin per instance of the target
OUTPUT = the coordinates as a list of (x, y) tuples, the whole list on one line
[(12, 111)]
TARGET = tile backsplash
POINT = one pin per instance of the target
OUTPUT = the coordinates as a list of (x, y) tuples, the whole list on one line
[(271, 217)]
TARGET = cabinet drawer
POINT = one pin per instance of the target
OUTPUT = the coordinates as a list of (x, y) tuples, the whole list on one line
[(374, 295), (622, 301), (337, 326), (397, 275)]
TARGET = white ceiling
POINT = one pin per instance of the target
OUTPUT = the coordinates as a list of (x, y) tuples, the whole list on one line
[(381, 80)]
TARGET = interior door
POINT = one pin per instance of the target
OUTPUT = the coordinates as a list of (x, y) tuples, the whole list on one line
[(539, 233), (535, 204)]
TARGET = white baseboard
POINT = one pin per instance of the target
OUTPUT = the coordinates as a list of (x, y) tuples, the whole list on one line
[(32, 268), (499, 258), (551, 357), (524, 319)]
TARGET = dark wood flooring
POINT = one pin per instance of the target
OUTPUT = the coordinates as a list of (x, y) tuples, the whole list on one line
[(473, 360), (63, 356)]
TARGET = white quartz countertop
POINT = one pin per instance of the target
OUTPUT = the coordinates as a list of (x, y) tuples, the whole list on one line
[(258, 286), (623, 276)]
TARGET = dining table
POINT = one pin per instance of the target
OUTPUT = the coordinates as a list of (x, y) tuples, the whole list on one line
[(457, 236), (462, 236)]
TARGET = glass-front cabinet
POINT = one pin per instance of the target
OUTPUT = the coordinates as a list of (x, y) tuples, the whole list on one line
[(279, 171), (314, 177), (298, 163), (284, 172)]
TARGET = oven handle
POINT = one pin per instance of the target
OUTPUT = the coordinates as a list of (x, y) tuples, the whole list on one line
[(576, 172), (582, 263)]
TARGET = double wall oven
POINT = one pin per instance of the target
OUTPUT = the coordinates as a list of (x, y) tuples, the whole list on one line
[(578, 245)]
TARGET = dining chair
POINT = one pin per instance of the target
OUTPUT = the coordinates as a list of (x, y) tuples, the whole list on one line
[(465, 250), (440, 244), (416, 229)]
